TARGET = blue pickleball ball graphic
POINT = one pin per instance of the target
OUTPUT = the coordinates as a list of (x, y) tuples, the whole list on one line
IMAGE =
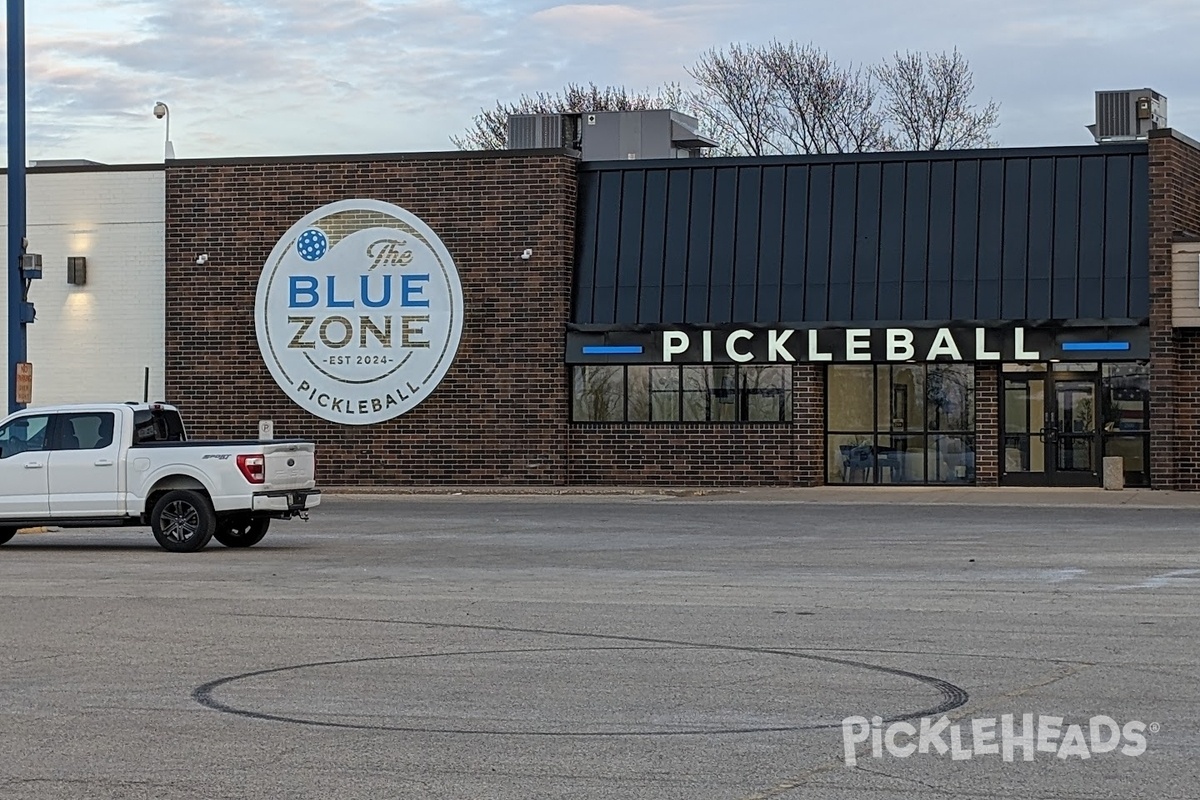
[(312, 244)]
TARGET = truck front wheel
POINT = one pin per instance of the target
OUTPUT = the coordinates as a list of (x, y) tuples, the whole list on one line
[(240, 531), (183, 521)]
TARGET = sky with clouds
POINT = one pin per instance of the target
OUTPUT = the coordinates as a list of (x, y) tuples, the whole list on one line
[(298, 77)]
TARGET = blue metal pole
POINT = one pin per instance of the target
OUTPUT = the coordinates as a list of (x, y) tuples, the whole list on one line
[(17, 350)]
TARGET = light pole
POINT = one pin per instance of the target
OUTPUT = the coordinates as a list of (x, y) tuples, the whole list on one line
[(163, 112), (17, 349)]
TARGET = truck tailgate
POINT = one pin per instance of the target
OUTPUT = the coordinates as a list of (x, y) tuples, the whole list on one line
[(289, 465)]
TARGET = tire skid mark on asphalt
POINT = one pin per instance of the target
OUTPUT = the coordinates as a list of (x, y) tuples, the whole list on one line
[(803, 779), (952, 696)]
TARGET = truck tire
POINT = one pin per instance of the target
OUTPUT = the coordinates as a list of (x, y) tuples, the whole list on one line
[(242, 531), (183, 521), (6, 534)]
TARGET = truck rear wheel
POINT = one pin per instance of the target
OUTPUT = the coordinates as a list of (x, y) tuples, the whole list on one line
[(183, 521), (242, 531), (6, 534)]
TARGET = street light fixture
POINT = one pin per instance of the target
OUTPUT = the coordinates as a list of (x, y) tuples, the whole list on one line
[(162, 112)]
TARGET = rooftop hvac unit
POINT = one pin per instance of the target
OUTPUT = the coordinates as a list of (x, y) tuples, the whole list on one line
[(1128, 115), (543, 132)]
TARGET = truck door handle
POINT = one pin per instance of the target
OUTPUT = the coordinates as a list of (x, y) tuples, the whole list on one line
[(104, 462), (34, 465)]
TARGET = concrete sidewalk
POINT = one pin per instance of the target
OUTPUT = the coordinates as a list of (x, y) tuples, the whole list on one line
[(822, 495)]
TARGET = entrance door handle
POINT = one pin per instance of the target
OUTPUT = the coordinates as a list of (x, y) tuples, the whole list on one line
[(104, 462), (34, 465)]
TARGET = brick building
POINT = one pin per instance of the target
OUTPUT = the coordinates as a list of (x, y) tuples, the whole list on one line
[(972, 318)]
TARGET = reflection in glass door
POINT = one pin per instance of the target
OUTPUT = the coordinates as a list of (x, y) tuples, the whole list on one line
[(1051, 431), (1024, 416), (1076, 431)]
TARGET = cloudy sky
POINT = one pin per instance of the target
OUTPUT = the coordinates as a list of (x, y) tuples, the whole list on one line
[(292, 77)]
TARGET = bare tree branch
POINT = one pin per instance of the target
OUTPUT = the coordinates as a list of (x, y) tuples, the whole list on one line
[(736, 102), (926, 100), (822, 107)]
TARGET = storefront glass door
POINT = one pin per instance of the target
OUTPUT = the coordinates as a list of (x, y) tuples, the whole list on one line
[(1051, 429)]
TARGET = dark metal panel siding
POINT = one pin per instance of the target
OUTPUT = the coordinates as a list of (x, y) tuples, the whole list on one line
[(1065, 280), (675, 260), (891, 242), (585, 257), (841, 250), (699, 277), (816, 262), (630, 276), (988, 235), (1091, 237), (653, 273), (724, 229), (1139, 225), (966, 238), (941, 240), (1041, 238), (866, 241), (771, 235), (1116, 237), (1015, 252), (795, 244)]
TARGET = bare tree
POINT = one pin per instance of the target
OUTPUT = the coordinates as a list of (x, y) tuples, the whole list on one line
[(822, 107), (926, 100), (790, 98), (737, 101), (489, 128)]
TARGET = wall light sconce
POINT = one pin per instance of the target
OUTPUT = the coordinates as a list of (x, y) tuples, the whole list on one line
[(76, 270)]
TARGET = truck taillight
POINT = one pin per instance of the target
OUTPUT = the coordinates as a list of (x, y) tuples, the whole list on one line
[(253, 468)]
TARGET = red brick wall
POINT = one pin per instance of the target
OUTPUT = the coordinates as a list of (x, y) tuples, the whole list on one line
[(500, 414), (1175, 354), (987, 425), (709, 454)]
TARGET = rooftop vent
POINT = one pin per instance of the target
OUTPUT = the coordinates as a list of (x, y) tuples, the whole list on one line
[(1128, 115)]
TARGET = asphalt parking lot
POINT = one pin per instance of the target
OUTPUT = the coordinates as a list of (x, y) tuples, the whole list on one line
[(607, 646)]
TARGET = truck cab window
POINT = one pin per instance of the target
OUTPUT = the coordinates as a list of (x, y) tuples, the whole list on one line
[(23, 434), (157, 425)]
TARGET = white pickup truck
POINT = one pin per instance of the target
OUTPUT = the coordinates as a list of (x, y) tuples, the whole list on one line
[(132, 464)]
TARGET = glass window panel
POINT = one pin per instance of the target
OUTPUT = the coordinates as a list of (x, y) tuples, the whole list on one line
[(598, 393), (951, 397), (664, 394), (901, 398), (1125, 397), (1076, 454), (725, 395), (1039, 367), (767, 394), (1024, 406), (637, 382), (850, 397), (901, 458), (697, 393), (950, 458), (850, 458)]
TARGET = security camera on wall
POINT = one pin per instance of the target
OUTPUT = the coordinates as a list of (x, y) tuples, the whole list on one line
[(202, 259)]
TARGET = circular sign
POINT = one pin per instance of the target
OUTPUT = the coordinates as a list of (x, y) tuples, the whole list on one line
[(359, 312)]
